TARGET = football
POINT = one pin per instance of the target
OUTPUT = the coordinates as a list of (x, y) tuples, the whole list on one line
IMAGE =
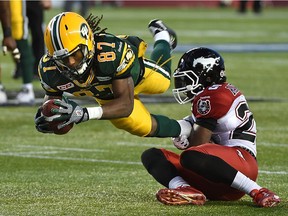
[(47, 111)]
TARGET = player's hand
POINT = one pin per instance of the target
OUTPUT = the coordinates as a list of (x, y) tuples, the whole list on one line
[(40, 122), (9, 44), (70, 112), (181, 142), (16, 55)]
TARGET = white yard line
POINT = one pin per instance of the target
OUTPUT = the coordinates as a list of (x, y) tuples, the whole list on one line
[(14, 154), (61, 148), (34, 155)]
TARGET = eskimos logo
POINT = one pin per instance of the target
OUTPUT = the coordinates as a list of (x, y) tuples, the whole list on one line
[(84, 30)]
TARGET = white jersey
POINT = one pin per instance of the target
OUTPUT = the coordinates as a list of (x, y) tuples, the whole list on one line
[(224, 110)]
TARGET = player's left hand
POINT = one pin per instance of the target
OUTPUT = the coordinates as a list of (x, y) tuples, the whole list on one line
[(70, 112), (40, 122)]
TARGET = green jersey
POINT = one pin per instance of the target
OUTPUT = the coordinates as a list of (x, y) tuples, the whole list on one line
[(114, 58)]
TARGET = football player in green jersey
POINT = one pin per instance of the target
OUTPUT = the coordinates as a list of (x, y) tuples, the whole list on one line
[(84, 60)]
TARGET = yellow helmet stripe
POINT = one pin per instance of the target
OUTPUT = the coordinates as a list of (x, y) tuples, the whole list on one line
[(55, 31)]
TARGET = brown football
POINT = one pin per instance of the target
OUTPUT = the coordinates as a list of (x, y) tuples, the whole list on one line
[(46, 111)]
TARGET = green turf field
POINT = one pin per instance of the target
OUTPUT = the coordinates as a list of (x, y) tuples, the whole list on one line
[(96, 170)]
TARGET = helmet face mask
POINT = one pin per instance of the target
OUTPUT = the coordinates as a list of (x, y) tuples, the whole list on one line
[(77, 72), (186, 86), (68, 35), (197, 69)]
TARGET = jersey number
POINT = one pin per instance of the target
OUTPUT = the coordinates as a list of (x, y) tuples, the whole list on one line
[(105, 56), (244, 130)]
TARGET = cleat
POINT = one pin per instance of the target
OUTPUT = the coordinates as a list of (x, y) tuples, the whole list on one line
[(26, 96), (155, 26), (3, 95), (265, 198), (181, 196)]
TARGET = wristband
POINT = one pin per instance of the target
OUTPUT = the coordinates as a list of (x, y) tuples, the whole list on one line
[(7, 32), (95, 112)]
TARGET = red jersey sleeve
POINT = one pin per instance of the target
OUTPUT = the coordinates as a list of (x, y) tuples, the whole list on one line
[(214, 101)]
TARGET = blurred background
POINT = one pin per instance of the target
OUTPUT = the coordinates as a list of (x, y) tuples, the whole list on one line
[(95, 169), (252, 36)]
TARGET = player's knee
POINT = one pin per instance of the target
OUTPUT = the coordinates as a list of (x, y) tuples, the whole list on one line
[(150, 157), (193, 160)]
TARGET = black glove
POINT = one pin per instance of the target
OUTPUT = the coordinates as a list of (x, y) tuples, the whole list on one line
[(40, 123)]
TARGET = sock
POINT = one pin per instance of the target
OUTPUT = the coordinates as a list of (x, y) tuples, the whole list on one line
[(166, 127), (176, 182), (243, 183), (162, 35), (161, 54)]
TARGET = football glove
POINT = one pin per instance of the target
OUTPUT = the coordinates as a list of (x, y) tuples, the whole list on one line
[(40, 122), (70, 112), (181, 142)]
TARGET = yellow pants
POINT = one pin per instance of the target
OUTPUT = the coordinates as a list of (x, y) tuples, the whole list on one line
[(139, 122), (19, 19)]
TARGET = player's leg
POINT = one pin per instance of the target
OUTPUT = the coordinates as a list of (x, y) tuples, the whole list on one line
[(165, 167), (35, 14), (165, 41), (242, 6), (155, 80), (20, 33), (233, 168), (141, 123)]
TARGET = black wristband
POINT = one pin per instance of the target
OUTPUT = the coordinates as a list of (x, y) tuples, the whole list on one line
[(7, 32)]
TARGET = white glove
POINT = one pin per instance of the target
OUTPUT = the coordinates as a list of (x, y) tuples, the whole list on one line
[(181, 142)]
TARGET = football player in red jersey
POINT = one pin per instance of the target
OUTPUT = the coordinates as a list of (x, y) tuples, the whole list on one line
[(219, 157), (84, 60)]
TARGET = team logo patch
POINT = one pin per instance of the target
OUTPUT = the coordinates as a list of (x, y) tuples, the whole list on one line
[(128, 56), (65, 86), (203, 106), (207, 63), (84, 30)]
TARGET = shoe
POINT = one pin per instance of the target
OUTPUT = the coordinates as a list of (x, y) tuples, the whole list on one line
[(3, 95), (181, 196), (26, 96), (155, 26), (265, 198)]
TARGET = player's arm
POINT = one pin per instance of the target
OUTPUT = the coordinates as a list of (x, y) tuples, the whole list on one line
[(8, 43), (199, 135), (5, 17), (122, 87), (121, 106), (123, 102)]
